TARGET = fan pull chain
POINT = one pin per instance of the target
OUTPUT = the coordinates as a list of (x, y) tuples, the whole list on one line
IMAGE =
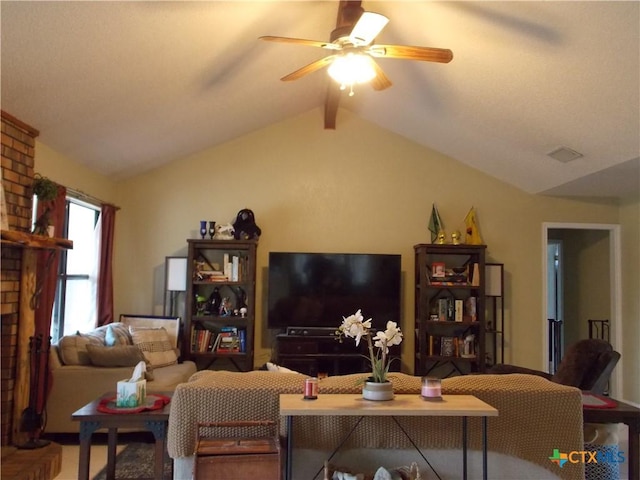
[(344, 87)]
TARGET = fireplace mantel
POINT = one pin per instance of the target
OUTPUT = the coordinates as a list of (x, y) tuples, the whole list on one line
[(30, 240)]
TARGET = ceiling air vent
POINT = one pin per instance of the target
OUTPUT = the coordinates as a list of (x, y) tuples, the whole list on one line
[(564, 154)]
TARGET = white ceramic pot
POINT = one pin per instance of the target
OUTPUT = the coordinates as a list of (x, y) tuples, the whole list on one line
[(377, 391)]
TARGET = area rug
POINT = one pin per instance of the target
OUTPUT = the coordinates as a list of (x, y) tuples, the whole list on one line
[(136, 462)]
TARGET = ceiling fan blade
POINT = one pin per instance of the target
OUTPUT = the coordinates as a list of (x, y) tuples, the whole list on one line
[(367, 29), (302, 41), (380, 81), (331, 103), (426, 54), (312, 67)]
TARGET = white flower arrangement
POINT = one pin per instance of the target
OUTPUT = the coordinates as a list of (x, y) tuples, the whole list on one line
[(354, 326)]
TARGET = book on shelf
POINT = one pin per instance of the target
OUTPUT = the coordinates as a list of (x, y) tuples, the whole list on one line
[(242, 338), (459, 307), (471, 310), (443, 309), (211, 276), (235, 266), (228, 340), (203, 340), (448, 346)]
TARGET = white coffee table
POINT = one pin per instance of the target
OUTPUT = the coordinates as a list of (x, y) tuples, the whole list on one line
[(294, 405)]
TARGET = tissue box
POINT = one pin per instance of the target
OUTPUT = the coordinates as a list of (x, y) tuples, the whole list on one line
[(131, 394)]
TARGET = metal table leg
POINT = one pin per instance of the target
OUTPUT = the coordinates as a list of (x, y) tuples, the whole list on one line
[(289, 468), (484, 448), (464, 448)]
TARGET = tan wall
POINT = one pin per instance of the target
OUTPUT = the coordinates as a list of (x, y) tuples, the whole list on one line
[(356, 189), (630, 226), (69, 173)]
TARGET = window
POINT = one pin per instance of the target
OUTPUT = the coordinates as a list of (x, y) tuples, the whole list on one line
[(74, 308)]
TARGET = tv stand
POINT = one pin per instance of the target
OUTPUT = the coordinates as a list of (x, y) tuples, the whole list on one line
[(325, 355)]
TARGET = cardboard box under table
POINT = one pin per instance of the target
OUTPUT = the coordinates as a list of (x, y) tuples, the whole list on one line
[(238, 457)]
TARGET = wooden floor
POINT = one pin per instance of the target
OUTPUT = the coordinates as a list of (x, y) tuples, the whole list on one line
[(36, 464)]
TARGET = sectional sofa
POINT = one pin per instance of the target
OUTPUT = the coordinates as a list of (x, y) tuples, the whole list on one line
[(85, 366), (535, 417)]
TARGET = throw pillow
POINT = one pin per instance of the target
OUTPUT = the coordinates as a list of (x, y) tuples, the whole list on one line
[(155, 345), (117, 334), (118, 356), (73, 348)]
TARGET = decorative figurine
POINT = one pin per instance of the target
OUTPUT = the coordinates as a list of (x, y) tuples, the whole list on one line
[(224, 232), (442, 238), (245, 227), (225, 307), (435, 224), (468, 350), (455, 237), (214, 301), (472, 231)]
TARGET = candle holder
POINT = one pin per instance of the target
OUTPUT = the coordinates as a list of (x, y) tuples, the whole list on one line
[(431, 388), (212, 229), (203, 228)]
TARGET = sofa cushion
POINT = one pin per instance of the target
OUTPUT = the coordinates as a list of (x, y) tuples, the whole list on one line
[(155, 345), (117, 334), (117, 356), (166, 379), (73, 348)]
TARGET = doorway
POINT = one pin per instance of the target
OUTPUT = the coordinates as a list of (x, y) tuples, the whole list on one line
[(586, 258)]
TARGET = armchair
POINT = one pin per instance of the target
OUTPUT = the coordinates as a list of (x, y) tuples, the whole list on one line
[(587, 365)]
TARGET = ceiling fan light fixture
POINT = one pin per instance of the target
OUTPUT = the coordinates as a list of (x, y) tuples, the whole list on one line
[(352, 68), (368, 27)]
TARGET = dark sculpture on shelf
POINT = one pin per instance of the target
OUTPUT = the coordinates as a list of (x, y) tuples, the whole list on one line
[(213, 302), (245, 227)]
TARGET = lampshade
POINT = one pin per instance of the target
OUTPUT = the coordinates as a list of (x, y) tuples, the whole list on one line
[(176, 274), (368, 27), (494, 279), (352, 68)]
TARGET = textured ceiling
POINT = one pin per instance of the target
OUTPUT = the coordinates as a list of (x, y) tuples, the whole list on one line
[(127, 86)]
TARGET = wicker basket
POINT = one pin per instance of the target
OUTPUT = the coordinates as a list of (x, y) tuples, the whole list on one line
[(238, 458)]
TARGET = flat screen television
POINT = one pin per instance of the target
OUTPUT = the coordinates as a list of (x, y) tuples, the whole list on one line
[(318, 289)]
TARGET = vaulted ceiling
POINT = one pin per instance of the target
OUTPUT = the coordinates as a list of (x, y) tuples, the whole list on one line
[(126, 86)]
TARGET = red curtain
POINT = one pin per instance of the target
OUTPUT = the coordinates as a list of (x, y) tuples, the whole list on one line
[(46, 282), (105, 270)]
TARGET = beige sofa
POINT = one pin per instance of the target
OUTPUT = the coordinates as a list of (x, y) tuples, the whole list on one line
[(535, 417), (83, 367)]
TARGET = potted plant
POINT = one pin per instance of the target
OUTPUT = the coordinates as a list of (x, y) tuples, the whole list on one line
[(376, 387), (46, 190)]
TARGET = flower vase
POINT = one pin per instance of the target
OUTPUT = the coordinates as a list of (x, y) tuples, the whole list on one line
[(377, 391)]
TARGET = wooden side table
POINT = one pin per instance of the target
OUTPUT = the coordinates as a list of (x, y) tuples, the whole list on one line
[(622, 413), (292, 405), (156, 421)]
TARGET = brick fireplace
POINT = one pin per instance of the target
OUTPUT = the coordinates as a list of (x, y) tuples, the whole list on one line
[(18, 152)]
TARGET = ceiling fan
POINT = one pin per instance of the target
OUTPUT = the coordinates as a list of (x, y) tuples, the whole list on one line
[(353, 48)]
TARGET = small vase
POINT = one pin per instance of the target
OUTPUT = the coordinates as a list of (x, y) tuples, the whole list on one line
[(377, 391)]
